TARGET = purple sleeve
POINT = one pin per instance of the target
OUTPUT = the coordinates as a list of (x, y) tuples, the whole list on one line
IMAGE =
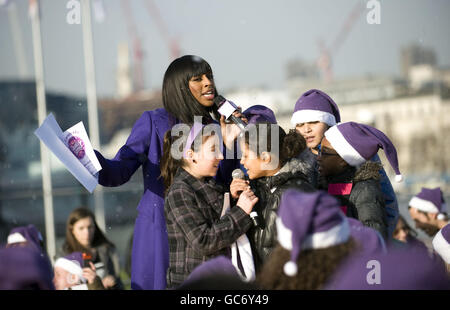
[(119, 170)]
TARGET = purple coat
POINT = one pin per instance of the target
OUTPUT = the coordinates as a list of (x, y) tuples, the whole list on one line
[(150, 253)]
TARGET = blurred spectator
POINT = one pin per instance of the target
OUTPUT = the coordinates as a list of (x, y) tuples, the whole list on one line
[(26, 236), (427, 209), (69, 274), (84, 235), (405, 234), (313, 241), (399, 269), (441, 244), (23, 268)]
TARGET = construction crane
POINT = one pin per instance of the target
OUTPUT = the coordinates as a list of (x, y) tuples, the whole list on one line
[(138, 55), (324, 62), (172, 43)]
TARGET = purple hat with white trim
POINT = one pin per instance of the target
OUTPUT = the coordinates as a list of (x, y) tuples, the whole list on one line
[(309, 221), (441, 243), (258, 114), (429, 200), (213, 267), (72, 263), (357, 143), (314, 105), (24, 268), (29, 234), (369, 240), (399, 269)]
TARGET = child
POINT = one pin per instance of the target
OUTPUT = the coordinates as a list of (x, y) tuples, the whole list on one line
[(344, 163), (194, 202), (314, 113), (314, 237), (70, 275), (271, 169)]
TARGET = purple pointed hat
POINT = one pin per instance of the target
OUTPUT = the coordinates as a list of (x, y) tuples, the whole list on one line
[(368, 239), (24, 268), (73, 263), (429, 200), (399, 269), (309, 221), (215, 266), (315, 105), (356, 143), (258, 114), (441, 243), (28, 234)]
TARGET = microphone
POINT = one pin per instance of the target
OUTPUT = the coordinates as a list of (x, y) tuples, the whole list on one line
[(239, 174), (227, 108)]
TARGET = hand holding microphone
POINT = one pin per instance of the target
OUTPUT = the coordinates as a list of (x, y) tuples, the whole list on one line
[(240, 188)]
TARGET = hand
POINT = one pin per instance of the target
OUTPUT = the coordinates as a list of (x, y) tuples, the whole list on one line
[(231, 131), (237, 186), (89, 273), (108, 281), (247, 201)]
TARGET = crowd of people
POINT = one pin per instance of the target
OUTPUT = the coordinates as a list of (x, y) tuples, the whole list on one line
[(312, 208)]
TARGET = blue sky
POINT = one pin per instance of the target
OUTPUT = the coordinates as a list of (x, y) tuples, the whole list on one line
[(246, 42)]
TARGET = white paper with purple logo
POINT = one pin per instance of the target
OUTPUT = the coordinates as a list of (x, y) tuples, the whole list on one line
[(73, 149)]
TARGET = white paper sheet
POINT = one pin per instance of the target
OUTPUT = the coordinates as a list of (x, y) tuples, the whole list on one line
[(51, 135)]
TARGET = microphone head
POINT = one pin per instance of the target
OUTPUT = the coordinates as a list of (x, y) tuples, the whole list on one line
[(238, 174), (218, 100)]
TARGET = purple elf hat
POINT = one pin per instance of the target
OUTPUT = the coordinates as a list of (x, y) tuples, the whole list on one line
[(309, 221), (219, 265), (314, 105), (399, 269), (24, 268), (258, 114), (441, 243), (28, 234), (368, 239), (73, 263), (429, 200), (356, 143)]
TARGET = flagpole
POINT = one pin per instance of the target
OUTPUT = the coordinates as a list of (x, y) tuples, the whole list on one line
[(42, 114), (91, 91)]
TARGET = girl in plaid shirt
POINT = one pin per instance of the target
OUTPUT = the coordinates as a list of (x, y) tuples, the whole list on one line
[(194, 203)]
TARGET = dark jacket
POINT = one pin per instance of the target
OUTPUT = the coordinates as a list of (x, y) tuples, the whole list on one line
[(365, 202), (194, 226), (263, 239)]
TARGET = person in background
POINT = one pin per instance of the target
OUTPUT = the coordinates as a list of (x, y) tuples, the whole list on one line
[(83, 235), (345, 165), (405, 234), (188, 90), (26, 236), (71, 275), (24, 268), (314, 113), (428, 210), (398, 269), (441, 245), (314, 238)]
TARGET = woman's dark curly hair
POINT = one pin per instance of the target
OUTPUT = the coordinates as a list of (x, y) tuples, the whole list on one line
[(315, 267)]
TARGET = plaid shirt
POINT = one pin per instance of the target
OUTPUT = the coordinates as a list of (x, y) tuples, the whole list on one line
[(196, 231)]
